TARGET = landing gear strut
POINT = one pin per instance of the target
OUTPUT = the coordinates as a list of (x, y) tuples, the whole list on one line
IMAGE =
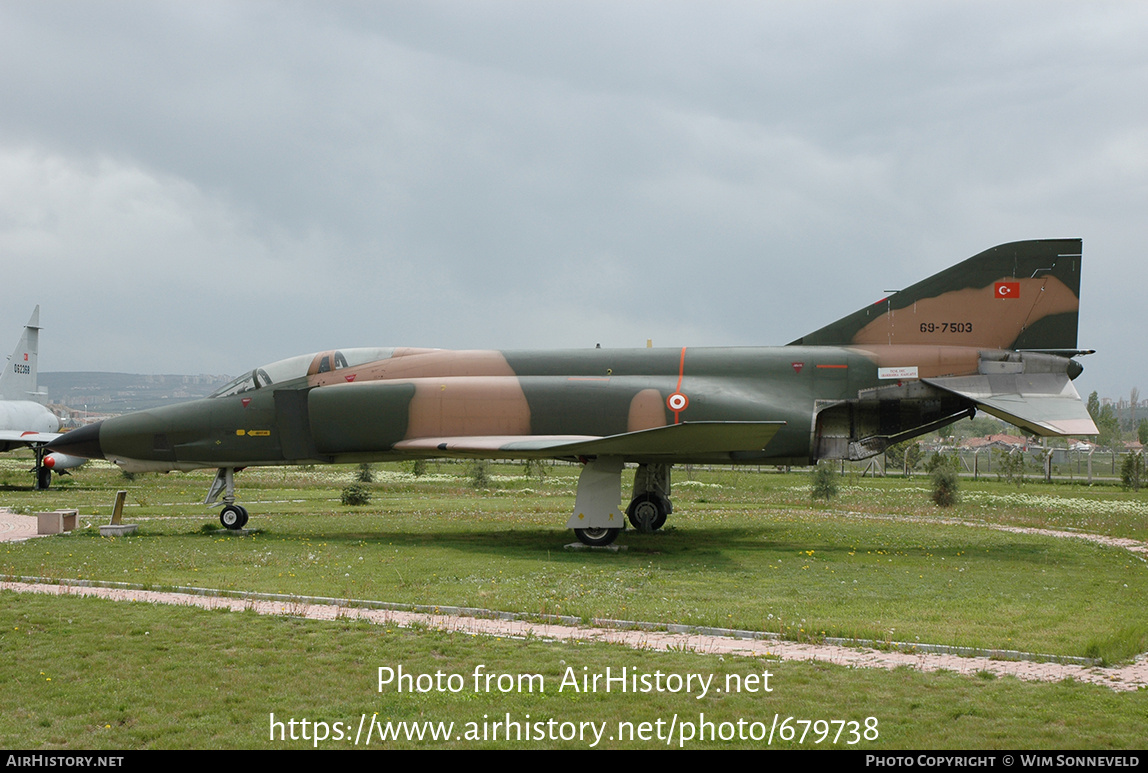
[(43, 472), (232, 516), (650, 504), (596, 520)]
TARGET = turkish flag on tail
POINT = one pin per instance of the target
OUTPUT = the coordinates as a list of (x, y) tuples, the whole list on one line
[(1006, 290)]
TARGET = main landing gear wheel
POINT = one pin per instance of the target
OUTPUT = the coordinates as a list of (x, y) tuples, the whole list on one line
[(43, 477), (233, 516), (596, 538), (648, 512)]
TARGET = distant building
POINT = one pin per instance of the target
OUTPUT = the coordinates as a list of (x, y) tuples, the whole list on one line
[(1003, 442)]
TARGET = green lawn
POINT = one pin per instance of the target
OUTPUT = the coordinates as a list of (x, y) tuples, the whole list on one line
[(743, 549)]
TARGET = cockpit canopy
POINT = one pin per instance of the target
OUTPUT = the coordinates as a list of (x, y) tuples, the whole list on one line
[(299, 367)]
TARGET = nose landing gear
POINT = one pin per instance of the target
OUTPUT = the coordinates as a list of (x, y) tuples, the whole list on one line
[(232, 516)]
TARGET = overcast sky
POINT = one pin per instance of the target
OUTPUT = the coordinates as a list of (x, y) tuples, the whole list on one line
[(202, 187)]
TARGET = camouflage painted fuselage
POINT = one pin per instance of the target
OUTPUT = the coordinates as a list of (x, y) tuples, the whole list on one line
[(436, 395), (994, 332), (429, 402)]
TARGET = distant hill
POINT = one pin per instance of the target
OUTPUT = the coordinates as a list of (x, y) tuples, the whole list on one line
[(124, 392)]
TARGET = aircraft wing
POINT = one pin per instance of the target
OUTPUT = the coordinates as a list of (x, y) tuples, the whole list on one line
[(1044, 403), (699, 437), (11, 436)]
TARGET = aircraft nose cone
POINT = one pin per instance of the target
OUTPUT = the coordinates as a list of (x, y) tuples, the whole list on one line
[(84, 442)]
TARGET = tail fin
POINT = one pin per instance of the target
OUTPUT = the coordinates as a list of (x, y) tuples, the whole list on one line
[(1022, 295), (18, 382)]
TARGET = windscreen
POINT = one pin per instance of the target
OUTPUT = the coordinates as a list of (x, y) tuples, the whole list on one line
[(303, 365)]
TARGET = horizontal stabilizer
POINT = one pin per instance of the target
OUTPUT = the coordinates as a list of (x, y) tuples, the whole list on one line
[(703, 437), (1043, 403)]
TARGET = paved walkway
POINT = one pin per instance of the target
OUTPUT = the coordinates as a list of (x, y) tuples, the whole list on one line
[(1132, 677), (16, 528), (1125, 678)]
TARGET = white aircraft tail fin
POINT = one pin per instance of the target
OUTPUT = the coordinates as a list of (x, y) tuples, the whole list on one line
[(18, 382)]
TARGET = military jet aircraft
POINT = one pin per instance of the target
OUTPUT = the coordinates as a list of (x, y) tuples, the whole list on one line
[(24, 422), (996, 332)]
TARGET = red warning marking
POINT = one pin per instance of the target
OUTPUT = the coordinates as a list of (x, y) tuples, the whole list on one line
[(1007, 290), (246, 401), (350, 377), (678, 402), (797, 366), (833, 366), (25, 356)]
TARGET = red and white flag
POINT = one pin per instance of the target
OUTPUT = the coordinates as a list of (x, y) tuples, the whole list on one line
[(1007, 290)]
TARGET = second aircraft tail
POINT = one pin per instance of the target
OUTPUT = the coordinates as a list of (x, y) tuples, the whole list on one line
[(19, 380)]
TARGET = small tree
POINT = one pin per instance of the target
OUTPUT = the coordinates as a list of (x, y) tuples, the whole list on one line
[(1010, 466), (365, 474), (912, 457), (824, 482), (1104, 416), (940, 461), (419, 468), (356, 494), (1132, 472), (535, 468), (479, 478), (946, 485)]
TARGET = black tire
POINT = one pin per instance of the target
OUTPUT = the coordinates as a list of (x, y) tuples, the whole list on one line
[(43, 478), (648, 512), (596, 538), (233, 517)]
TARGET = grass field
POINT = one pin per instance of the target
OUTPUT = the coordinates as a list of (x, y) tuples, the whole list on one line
[(743, 549)]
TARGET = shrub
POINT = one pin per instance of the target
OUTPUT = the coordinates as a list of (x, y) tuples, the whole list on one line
[(356, 494), (824, 483), (478, 476), (535, 468), (946, 485), (419, 468), (941, 461), (1132, 472), (1010, 466), (905, 455), (365, 474)]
